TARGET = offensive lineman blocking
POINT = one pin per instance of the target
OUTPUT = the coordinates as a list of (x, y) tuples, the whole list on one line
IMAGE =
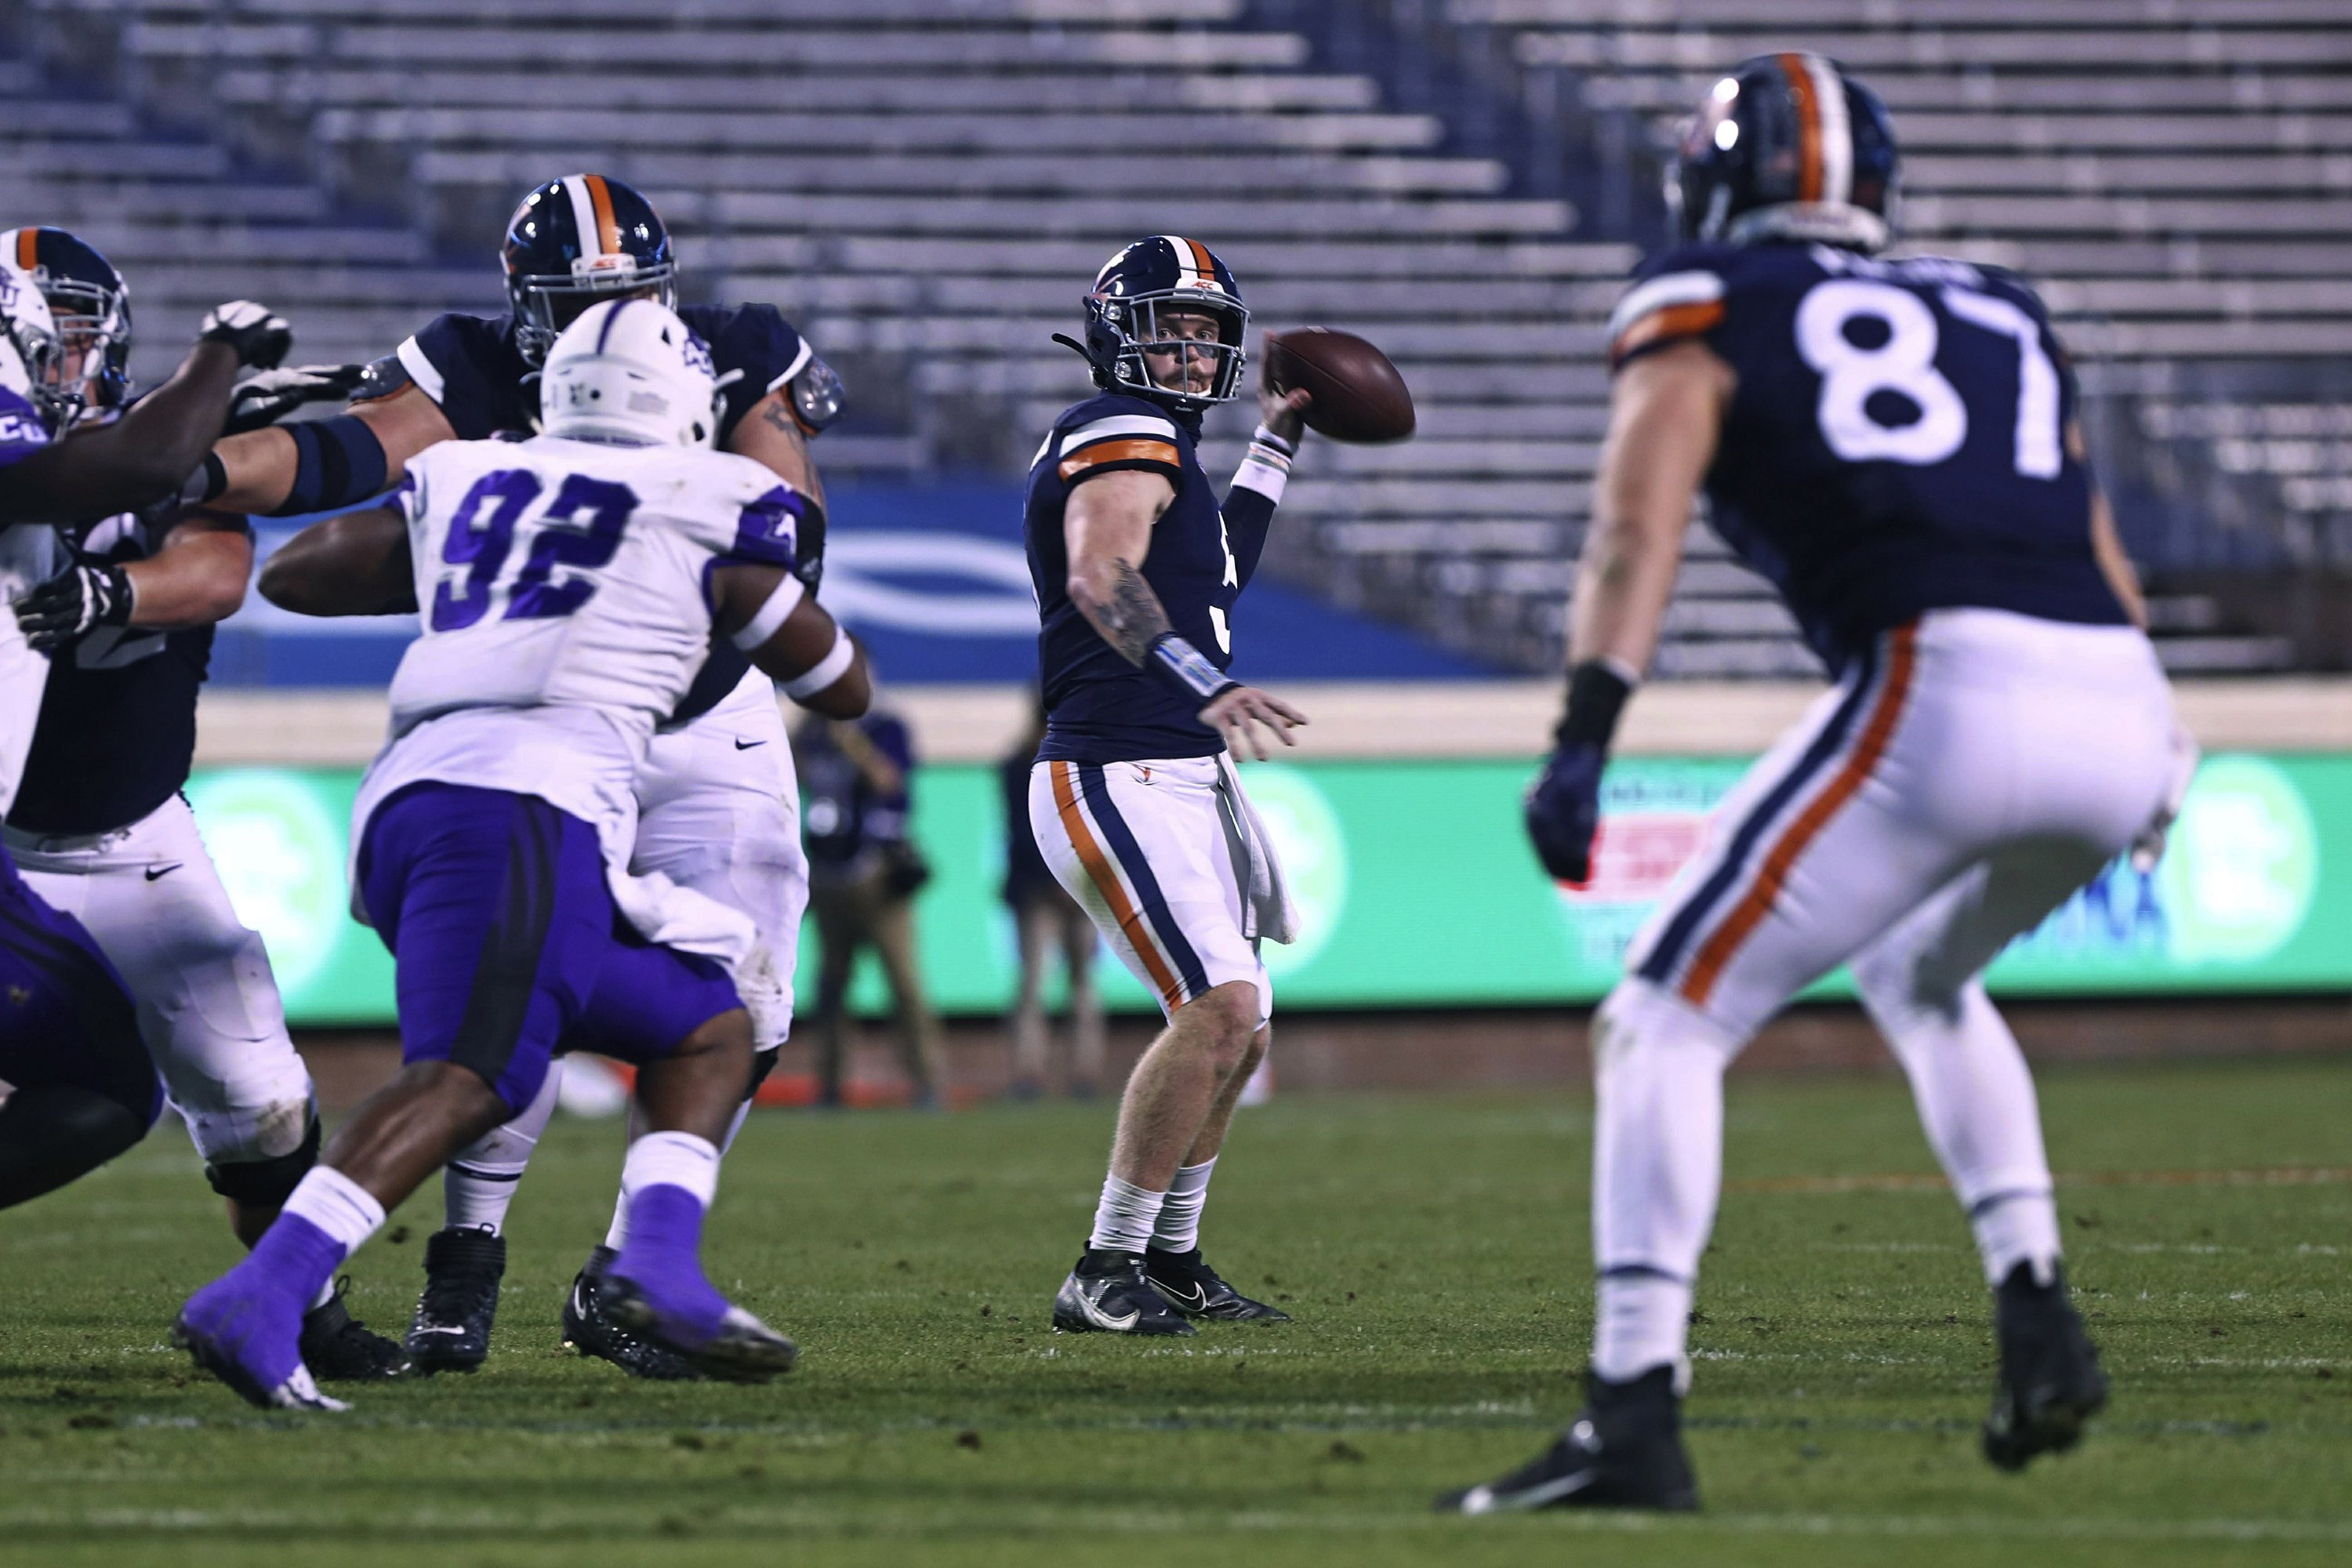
[(569, 586), (1893, 444), (717, 801), (1136, 808)]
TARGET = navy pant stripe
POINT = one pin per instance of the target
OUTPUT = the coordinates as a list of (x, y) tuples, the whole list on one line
[(1154, 904), (506, 979), (1667, 954)]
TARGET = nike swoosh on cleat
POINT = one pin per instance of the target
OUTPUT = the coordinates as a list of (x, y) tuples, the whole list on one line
[(1197, 1301), (1103, 1320), (1537, 1497), (437, 1329)]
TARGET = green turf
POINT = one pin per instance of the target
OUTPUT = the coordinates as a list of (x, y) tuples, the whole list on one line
[(1433, 1250)]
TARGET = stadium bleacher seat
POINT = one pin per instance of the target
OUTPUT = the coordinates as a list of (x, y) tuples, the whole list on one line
[(925, 185)]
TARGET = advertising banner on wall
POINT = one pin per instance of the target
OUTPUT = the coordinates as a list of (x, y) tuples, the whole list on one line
[(1416, 888)]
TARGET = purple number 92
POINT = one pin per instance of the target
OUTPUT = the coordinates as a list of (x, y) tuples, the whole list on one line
[(579, 529)]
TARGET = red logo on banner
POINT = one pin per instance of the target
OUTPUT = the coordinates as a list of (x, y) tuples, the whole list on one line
[(1636, 857)]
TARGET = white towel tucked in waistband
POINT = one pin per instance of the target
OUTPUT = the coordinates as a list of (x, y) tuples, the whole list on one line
[(1267, 911)]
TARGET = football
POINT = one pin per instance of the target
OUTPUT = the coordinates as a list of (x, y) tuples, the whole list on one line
[(1358, 396)]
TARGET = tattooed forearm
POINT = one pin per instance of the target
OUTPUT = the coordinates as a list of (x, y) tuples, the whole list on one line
[(777, 440), (1125, 610)]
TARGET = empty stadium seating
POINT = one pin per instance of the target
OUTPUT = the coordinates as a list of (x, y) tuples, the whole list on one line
[(926, 186)]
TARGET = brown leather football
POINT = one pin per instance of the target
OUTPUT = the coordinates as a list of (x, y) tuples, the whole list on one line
[(1358, 396)]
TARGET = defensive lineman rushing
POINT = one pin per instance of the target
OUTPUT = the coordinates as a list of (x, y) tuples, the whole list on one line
[(1895, 445), (83, 1087), (569, 587), (717, 804), (101, 829), (1137, 809)]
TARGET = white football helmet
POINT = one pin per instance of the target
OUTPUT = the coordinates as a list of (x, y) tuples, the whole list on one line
[(29, 346), (629, 371)]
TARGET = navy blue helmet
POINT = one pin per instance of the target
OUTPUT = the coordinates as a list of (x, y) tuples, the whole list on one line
[(91, 306), (576, 240), (1788, 147), (1164, 275)]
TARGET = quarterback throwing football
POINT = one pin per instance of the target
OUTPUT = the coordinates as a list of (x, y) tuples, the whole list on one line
[(1136, 807)]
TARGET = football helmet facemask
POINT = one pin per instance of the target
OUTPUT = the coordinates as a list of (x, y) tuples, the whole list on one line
[(1787, 147), (574, 241), (31, 370), (90, 307), (629, 371), (1151, 279)]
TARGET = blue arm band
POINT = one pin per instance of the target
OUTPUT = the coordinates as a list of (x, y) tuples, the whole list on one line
[(1185, 670), (338, 462)]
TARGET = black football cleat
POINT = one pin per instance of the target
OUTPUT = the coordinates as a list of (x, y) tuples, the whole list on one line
[(1108, 1294), (1624, 1450), (463, 1266), (339, 1347), (2050, 1378), (1197, 1290), (589, 1328)]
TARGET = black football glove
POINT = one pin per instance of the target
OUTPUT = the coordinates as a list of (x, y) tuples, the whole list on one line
[(61, 610), (257, 338), (1563, 812), (265, 399)]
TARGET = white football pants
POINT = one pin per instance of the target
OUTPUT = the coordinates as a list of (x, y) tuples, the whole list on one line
[(1958, 786), (1156, 854), (208, 1006)]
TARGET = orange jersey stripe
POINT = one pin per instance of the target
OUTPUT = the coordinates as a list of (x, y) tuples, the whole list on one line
[(1672, 322), (28, 248), (1099, 452), (1741, 924), (1107, 883), (600, 199), (1808, 127)]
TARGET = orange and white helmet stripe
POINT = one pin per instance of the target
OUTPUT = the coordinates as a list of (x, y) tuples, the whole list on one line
[(591, 212), (1824, 131)]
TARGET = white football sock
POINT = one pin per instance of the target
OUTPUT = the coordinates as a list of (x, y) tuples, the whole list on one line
[(1178, 1226), (1976, 1100), (1642, 1320), (672, 1159), (1124, 1218), (346, 1211), (478, 1186), (1658, 1164)]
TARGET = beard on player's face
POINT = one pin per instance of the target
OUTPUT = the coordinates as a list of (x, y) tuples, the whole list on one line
[(1189, 369)]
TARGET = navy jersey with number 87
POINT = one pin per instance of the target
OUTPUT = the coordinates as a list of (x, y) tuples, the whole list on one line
[(1897, 440)]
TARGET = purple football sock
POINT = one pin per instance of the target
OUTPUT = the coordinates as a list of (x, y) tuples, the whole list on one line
[(296, 1256), (254, 1312), (661, 1258)]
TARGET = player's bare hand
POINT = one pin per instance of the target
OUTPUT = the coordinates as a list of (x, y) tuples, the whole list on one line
[(1284, 412), (1240, 715)]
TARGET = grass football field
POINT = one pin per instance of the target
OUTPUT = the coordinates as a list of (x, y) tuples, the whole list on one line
[(1433, 1250)]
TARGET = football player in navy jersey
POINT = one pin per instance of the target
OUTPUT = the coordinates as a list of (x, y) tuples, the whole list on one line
[(101, 829), (1895, 445), (718, 803), (1138, 810), (83, 1089)]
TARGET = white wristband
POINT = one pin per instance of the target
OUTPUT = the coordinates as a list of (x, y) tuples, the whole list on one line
[(1267, 469), (780, 603), (826, 671)]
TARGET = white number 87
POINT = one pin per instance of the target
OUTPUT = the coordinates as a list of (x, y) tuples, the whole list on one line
[(1906, 364)]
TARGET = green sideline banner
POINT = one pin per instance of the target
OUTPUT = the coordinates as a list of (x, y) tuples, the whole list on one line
[(1416, 887)]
